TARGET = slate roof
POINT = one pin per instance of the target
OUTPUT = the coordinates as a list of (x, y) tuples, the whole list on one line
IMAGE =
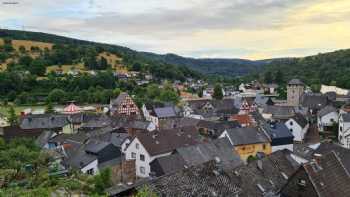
[(119, 99), (224, 106), (341, 152), (295, 82), (300, 119), (326, 177), (241, 136), (177, 123), (78, 158), (279, 112), (314, 101), (278, 130), (204, 152), (11, 132), (326, 110), (165, 112), (99, 121), (95, 146), (167, 164), (43, 121), (210, 179), (219, 127), (164, 141), (346, 117)]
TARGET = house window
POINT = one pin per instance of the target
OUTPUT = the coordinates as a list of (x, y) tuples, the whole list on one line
[(124, 106), (291, 123), (133, 155), (132, 105), (341, 128), (142, 157), (90, 171), (264, 146), (133, 113), (137, 145), (332, 120), (142, 170)]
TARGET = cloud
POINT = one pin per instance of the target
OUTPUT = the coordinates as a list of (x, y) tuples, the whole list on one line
[(201, 28)]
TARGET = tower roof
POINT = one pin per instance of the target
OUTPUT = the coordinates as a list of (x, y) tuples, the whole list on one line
[(295, 82)]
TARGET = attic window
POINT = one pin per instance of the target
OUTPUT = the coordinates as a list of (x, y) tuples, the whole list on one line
[(291, 123)]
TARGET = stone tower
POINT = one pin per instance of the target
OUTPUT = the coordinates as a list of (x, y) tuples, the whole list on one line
[(295, 90)]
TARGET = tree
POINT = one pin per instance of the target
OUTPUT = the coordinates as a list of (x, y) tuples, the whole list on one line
[(56, 95), (146, 192), (37, 67), (218, 92), (268, 77), (49, 108), (102, 181), (12, 117), (22, 49)]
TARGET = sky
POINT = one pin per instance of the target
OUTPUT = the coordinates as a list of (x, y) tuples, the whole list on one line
[(250, 29)]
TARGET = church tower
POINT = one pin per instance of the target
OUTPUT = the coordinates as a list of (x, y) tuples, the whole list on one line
[(295, 90)]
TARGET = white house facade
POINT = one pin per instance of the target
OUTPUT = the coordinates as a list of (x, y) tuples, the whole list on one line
[(136, 151), (344, 130), (298, 130), (327, 120), (149, 117), (91, 168)]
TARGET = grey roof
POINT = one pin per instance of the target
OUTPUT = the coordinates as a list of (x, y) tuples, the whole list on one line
[(346, 117), (211, 179), (341, 152), (240, 136), (279, 112), (117, 139), (278, 130), (95, 146), (326, 110), (43, 121), (119, 99), (204, 152), (96, 122), (177, 123), (164, 141), (165, 112), (314, 101), (79, 158), (324, 177), (300, 119), (295, 82), (220, 107), (167, 164), (43, 138)]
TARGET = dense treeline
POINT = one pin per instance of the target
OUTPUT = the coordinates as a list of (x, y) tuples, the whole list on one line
[(26, 80), (25, 170), (328, 68)]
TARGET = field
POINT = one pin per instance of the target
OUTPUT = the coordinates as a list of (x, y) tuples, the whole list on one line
[(28, 44), (66, 68), (18, 109)]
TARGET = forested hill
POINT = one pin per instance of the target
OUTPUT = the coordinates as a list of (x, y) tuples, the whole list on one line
[(220, 66), (327, 68), (228, 67)]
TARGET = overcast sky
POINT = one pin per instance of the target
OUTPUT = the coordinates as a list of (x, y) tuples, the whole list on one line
[(254, 29)]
